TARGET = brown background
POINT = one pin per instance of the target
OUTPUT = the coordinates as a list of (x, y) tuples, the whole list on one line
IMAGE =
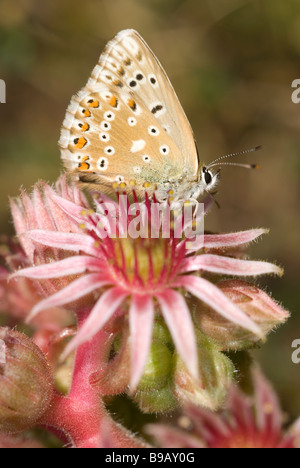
[(231, 62)]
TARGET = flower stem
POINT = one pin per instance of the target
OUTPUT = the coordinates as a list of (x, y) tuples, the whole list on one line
[(81, 415)]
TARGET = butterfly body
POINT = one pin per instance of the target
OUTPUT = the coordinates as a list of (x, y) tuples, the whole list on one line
[(127, 128)]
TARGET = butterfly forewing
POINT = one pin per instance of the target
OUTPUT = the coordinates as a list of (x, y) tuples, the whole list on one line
[(127, 122)]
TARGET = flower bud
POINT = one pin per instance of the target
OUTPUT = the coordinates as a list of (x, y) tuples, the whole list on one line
[(263, 310), (26, 385), (154, 393), (161, 332), (158, 367), (215, 376), (156, 401)]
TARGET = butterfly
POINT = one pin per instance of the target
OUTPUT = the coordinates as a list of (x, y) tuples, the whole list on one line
[(126, 128)]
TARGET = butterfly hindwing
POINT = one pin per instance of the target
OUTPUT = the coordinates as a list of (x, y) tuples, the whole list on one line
[(113, 136)]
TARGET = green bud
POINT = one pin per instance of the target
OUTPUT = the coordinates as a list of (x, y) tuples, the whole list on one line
[(158, 367), (156, 401), (161, 332), (215, 376)]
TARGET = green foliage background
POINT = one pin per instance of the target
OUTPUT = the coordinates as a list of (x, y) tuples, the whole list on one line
[(231, 62)]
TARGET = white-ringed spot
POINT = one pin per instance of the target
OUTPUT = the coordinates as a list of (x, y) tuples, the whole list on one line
[(132, 83), (139, 76), (109, 150), (153, 80), (146, 158), (153, 130), (137, 170), (104, 136), (109, 115), (105, 126), (102, 164), (132, 121), (164, 149), (119, 178), (157, 109)]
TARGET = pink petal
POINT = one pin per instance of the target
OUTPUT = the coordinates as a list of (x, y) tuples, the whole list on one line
[(21, 227), (178, 319), (241, 411), (44, 220), (30, 213), (62, 222), (229, 266), (170, 437), (83, 215), (69, 266), (217, 241), (220, 241), (141, 318), (292, 438), (106, 306), (268, 412), (211, 295), (76, 212), (209, 425), (63, 240), (79, 288)]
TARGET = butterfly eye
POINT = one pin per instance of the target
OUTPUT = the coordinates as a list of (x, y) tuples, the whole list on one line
[(207, 176)]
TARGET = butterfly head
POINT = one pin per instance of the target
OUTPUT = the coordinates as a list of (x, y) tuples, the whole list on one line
[(208, 178)]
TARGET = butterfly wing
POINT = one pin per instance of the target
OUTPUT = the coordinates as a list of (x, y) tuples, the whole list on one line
[(127, 122)]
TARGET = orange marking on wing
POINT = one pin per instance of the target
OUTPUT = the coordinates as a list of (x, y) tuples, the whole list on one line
[(132, 104), (80, 142), (114, 101), (84, 165), (93, 103), (85, 127), (86, 113)]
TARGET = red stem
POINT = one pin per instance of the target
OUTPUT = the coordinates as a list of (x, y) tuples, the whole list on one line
[(81, 415)]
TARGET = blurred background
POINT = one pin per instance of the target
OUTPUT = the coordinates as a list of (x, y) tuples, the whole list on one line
[(232, 63)]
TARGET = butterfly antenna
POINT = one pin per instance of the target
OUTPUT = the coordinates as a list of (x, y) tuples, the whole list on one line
[(240, 153), (247, 166)]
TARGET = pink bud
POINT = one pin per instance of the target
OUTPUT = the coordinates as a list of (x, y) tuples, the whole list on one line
[(255, 303), (26, 384)]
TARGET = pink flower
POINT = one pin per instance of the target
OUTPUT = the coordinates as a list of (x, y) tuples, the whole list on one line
[(18, 297), (246, 422), (40, 212), (141, 276)]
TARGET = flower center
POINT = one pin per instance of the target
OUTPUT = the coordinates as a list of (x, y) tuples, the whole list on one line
[(148, 262)]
